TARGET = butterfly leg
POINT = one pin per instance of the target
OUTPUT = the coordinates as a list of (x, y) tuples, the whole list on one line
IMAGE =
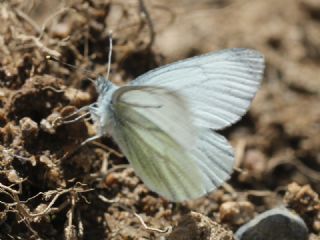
[(90, 140), (71, 153)]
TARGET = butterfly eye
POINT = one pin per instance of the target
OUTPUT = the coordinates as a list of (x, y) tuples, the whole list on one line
[(103, 85)]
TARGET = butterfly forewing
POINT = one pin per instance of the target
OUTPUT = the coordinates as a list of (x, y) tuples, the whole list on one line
[(162, 107), (218, 86)]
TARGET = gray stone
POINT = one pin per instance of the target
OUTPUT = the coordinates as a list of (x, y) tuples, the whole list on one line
[(275, 224)]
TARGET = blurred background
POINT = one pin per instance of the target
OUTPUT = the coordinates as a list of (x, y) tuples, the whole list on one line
[(277, 143)]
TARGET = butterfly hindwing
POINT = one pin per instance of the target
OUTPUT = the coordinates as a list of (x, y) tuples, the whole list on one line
[(144, 130), (167, 166)]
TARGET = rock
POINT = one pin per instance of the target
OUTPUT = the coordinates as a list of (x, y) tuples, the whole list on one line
[(275, 224)]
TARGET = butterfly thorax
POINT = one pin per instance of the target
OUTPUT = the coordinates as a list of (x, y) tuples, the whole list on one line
[(100, 111)]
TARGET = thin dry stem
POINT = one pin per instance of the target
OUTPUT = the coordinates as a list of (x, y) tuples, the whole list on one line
[(39, 44), (51, 17), (132, 211), (109, 149), (149, 21), (28, 20)]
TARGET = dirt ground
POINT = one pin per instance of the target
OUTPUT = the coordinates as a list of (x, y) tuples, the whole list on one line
[(48, 193)]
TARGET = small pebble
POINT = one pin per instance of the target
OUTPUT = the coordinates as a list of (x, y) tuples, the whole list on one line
[(195, 226), (303, 199), (13, 176), (48, 125), (275, 224), (254, 165), (236, 213), (29, 128)]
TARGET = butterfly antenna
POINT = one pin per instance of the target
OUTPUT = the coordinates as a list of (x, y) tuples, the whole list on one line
[(51, 58), (109, 55)]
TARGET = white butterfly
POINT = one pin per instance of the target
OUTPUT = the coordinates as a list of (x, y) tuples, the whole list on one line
[(163, 120)]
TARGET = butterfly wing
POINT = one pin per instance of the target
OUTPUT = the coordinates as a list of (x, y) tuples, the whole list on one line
[(164, 108), (214, 157), (152, 127), (161, 120), (218, 86)]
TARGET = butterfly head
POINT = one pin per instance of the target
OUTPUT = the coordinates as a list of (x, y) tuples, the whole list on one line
[(100, 110), (103, 85)]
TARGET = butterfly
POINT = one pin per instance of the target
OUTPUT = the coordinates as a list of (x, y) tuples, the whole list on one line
[(165, 121)]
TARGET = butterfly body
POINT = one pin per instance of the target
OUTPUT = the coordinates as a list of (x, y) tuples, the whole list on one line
[(101, 111), (163, 121)]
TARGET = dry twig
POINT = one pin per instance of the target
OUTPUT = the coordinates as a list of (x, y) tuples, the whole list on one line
[(132, 211), (146, 15)]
